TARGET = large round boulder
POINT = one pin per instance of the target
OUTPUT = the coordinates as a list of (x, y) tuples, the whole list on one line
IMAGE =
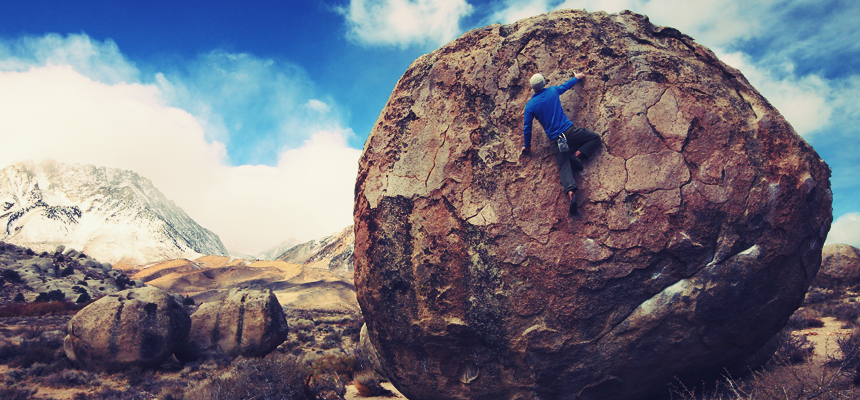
[(131, 329), (703, 217), (247, 322), (840, 265)]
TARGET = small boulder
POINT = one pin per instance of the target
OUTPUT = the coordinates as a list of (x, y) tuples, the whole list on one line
[(135, 328), (840, 265), (247, 322)]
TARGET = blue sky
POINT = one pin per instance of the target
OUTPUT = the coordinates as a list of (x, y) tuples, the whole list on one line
[(251, 115)]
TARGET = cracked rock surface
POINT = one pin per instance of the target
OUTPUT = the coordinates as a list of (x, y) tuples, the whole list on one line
[(704, 214), (246, 322), (131, 329)]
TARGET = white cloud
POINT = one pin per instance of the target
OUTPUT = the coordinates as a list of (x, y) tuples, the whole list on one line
[(55, 111), (845, 230), (806, 102), (405, 22), (318, 106), (99, 61), (257, 107)]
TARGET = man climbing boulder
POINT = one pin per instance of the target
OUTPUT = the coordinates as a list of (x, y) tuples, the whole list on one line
[(569, 142)]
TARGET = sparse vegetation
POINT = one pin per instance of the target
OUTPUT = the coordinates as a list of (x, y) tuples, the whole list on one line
[(845, 312), (792, 349), (805, 318), (369, 383)]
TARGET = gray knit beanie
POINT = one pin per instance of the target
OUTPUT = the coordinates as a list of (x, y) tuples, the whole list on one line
[(537, 81)]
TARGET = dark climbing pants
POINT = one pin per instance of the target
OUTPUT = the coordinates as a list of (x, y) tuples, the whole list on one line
[(581, 139)]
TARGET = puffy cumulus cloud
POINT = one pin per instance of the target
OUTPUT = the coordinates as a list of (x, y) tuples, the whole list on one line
[(309, 194), (257, 107), (53, 110), (56, 112), (101, 61), (845, 230), (404, 22), (806, 102)]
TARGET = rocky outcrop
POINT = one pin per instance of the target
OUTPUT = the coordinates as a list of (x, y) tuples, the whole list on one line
[(247, 322), (840, 265), (704, 215), (63, 274), (132, 329)]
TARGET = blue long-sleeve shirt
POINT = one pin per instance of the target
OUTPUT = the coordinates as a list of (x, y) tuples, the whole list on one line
[(545, 105)]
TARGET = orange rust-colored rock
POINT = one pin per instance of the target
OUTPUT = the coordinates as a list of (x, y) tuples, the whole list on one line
[(704, 215)]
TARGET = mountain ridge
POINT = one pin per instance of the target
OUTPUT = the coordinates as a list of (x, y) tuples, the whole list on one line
[(114, 215)]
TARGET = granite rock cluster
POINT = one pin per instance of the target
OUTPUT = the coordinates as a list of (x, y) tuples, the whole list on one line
[(63, 274), (140, 328)]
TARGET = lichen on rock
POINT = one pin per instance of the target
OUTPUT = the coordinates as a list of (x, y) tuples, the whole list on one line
[(703, 218)]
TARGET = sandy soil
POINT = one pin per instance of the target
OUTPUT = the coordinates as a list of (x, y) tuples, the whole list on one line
[(824, 339)]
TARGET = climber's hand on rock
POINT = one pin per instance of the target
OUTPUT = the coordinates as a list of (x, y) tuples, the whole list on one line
[(579, 75)]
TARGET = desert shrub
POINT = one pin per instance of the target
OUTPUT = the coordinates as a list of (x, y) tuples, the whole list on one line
[(341, 365), (845, 312), (325, 386), (792, 349), (795, 382), (327, 344), (273, 377), (303, 325), (333, 337), (69, 378), (817, 295), (14, 393), (172, 393), (51, 296), (11, 276), (28, 353), (803, 319), (306, 337), (19, 298), (369, 383), (849, 352)]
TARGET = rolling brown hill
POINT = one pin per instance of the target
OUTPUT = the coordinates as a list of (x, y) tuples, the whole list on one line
[(316, 275)]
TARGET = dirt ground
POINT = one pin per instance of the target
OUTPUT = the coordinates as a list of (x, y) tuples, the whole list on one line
[(824, 339)]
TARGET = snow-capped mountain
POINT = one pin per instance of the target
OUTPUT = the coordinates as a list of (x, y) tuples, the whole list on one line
[(333, 252), (275, 251), (110, 214)]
